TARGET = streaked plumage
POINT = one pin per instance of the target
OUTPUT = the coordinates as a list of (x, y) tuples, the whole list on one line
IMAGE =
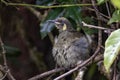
[(70, 46)]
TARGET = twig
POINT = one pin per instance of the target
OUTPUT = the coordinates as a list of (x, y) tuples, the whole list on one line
[(103, 17), (44, 7), (99, 23), (36, 13), (46, 73), (114, 70), (108, 10), (99, 12), (92, 26), (67, 73), (3, 77), (40, 18), (6, 69), (3, 53)]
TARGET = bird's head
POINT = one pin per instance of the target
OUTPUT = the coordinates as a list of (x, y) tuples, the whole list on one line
[(62, 24)]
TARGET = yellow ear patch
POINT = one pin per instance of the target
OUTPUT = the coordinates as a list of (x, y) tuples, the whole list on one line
[(64, 27)]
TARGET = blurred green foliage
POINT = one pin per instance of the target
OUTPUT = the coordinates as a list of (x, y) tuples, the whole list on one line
[(115, 17), (74, 14), (112, 49)]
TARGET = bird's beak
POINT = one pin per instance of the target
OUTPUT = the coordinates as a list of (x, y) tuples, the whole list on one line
[(51, 21)]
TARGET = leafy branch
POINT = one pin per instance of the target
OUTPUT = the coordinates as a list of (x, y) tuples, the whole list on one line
[(39, 6)]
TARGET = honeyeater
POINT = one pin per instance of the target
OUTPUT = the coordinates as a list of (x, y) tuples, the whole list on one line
[(70, 46)]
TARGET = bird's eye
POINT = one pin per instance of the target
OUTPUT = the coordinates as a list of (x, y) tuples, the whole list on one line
[(59, 24)]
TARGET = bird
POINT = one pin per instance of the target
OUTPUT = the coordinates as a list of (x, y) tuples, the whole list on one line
[(70, 46)]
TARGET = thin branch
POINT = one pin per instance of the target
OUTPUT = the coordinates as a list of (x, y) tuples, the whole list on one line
[(46, 73), (38, 6), (92, 26), (40, 18), (101, 19), (3, 53), (6, 69), (36, 13), (99, 12), (2, 72), (67, 73), (108, 10), (114, 70), (99, 23), (3, 77)]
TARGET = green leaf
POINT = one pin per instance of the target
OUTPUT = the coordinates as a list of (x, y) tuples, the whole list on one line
[(112, 49), (74, 13), (116, 3), (46, 26), (101, 1), (115, 17)]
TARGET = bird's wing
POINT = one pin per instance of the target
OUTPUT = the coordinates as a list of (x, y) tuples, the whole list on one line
[(81, 46)]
